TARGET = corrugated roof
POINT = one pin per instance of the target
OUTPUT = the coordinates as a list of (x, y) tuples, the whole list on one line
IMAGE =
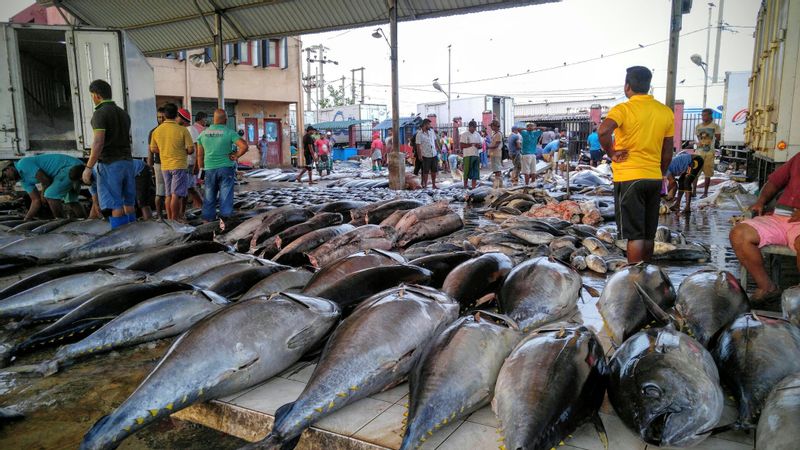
[(387, 124), (159, 26), (337, 124)]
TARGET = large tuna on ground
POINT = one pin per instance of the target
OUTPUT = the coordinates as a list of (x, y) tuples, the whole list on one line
[(709, 300), (779, 425), (131, 238), (475, 278)]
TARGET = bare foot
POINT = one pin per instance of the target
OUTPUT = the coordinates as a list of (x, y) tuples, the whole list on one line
[(761, 295), (434, 186)]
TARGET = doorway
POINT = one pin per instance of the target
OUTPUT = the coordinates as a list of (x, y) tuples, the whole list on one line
[(272, 128)]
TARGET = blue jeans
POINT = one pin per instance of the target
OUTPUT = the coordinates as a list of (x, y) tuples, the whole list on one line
[(116, 184), (218, 183), (484, 159)]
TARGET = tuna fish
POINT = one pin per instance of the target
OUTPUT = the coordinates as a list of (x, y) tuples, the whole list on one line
[(46, 275), (214, 275), (132, 237), (475, 278), (156, 259), (779, 426), (274, 244), (372, 350), (379, 214), (295, 253), (790, 304), (441, 264), (47, 247), (349, 291), (191, 267), (596, 263), (753, 354), (48, 295), (623, 309), (275, 223), (342, 268), (242, 233), (538, 291), (256, 340), (292, 280), (240, 282), (531, 236), (95, 227), (665, 388), (552, 382), (457, 375), (708, 300), (427, 229), (362, 238), (157, 318)]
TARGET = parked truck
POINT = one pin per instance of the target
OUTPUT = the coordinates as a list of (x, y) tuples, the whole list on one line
[(45, 72), (501, 108), (772, 130), (734, 108)]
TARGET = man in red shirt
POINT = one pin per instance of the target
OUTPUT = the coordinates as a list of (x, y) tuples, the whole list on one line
[(323, 150), (780, 227)]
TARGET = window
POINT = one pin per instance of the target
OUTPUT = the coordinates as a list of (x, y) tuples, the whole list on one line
[(273, 53), (241, 53), (273, 46)]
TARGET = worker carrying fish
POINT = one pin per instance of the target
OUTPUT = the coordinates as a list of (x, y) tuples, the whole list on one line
[(641, 152), (778, 227), (52, 171), (687, 168)]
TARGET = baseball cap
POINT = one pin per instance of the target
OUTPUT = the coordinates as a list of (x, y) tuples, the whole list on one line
[(310, 128), (185, 115), (328, 133)]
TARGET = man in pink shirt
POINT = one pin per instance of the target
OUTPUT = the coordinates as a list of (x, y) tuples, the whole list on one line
[(323, 150), (780, 227)]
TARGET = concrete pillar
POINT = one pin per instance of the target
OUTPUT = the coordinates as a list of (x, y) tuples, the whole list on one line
[(678, 123)]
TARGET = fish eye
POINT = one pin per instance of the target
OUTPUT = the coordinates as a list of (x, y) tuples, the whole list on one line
[(651, 391)]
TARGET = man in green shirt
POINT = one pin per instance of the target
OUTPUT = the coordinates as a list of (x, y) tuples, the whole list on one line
[(216, 163)]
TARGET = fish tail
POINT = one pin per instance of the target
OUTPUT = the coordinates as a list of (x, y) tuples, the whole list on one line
[(100, 437)]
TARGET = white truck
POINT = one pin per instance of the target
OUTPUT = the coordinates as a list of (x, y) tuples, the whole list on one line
[(734, 108), (773, 124), (472, 108), (45, 72)]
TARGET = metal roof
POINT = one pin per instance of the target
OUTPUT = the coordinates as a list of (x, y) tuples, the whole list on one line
[(338, 124), (387, 124), (158, 26)]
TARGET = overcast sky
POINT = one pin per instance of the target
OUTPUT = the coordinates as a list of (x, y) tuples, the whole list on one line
[(539, 39)]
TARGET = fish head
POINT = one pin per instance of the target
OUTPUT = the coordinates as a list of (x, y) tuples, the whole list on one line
[(671, 406)]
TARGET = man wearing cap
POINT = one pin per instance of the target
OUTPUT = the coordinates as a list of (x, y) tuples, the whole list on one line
[(426, 147), (309, 155), (111, 155), (174, 144), (52, 171), (185, 119), (471, 142), (216, 162), (530, 138), (641, 152)]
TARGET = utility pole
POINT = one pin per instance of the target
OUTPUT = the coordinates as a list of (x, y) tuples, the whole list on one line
[(708, 48), (675, 25), (449, 73), (397, 165), (362, 85), (343, 97), (353, 85), (319, 50), (220, 65), (353, 89), (719, 40)]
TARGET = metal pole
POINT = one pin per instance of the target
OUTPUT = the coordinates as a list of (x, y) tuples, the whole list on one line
[(708, 49), (397, 161), (308, 79), (220, 65), (449, 75), (362, 85), (353, 85), (676, 23), (343, 97), (705, 85), (719, 40)]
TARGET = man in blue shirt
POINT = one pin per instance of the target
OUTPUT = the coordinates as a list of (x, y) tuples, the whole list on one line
[(530, 138), (687, 168), (595, 150), (514, 144), (52, 171)]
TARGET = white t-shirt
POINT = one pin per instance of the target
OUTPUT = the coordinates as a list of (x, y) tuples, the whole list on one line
[(471, 138), (195, 133), (427, 143)]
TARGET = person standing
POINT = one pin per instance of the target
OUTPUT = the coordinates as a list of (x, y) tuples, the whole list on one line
[(708, 135), (174, 144), (640, 154), (185, 119), (262, 151), (426, 148), (471, 142), (548, 136), (444, 151), (144, 188), (154, 161), (514, 144), (216, 162), (111, 154), (377, 152), (309, 155), (682, 171), (530, 138), (495, 150), (53, 172), (484, 155), (323, 150), (595, 150)]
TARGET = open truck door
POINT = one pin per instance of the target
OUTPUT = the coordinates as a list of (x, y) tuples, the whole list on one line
[(13, 133)]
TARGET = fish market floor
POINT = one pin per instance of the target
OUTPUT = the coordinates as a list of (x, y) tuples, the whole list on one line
[(376, 422)]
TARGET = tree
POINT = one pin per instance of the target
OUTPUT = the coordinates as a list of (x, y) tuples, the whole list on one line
[(337, 97)]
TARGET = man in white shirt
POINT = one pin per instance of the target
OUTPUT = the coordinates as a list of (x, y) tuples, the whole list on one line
[(185, 119), (426, 146), (495, 148), (471, 142)]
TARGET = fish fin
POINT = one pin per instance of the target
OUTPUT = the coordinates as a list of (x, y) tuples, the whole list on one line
[(721, 429), (302, 338), (496, 318), (653, 308), (485, 299), (759, 313), (592, 291), (600, 428)]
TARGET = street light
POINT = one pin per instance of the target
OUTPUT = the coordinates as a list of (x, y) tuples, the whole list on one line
[(438, 86), (697, 59), (378, 33)]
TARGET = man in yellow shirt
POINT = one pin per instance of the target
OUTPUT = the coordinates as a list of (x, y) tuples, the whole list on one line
[(708, 134), (173, 143), (640, 152)]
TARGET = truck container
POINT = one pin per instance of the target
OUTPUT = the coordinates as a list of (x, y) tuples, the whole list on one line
[(734, 108), (772, 130), (502, 108), (362, 133), (45, 72)]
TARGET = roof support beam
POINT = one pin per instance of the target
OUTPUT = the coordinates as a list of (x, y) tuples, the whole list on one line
[(220, 65)]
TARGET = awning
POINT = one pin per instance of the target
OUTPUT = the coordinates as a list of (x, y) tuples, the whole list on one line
[(387, 124), (338, 124), (159, 26)]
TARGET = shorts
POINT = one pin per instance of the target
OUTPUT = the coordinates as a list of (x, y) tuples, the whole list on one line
[(144, 187), (190, 176), (176, 182), (636, 205), (517, 160), (116, 184), (774, 230), (596, 155), (159, 180), (472, 167), (309, 159), (686, 180), (708, 162), (496, 162), (62, 188), (430, 165), (528, 164)]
